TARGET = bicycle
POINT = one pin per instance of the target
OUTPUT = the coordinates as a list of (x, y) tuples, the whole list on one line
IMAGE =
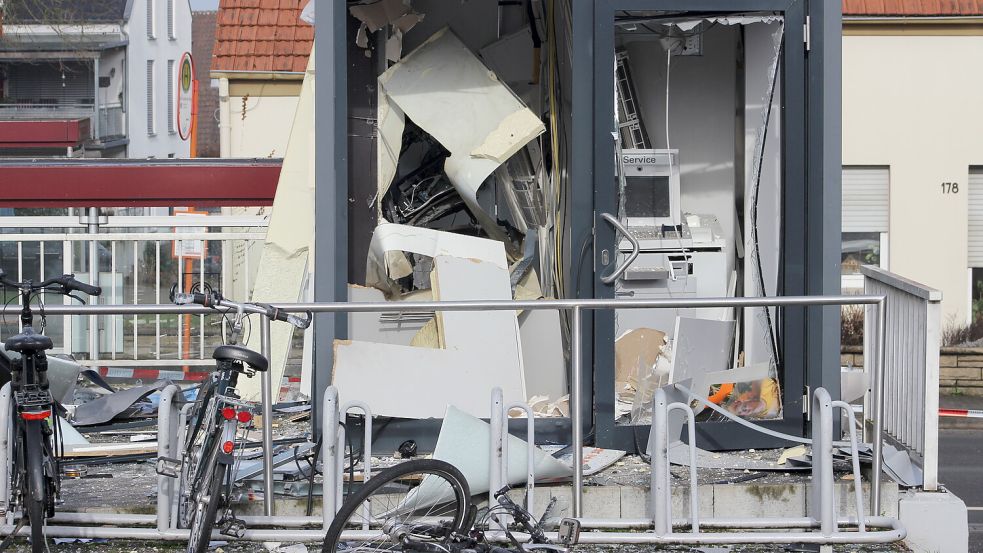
[(36, 483), (424, 505), (208, 459)]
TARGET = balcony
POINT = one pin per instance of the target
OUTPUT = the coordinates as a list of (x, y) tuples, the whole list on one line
[(57, 125)]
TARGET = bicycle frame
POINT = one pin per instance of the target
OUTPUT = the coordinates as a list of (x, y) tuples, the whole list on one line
[(210, 444), (214, 429), (31, 402)]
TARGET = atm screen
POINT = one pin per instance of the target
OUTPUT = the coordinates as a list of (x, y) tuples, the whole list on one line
[(647, 196)]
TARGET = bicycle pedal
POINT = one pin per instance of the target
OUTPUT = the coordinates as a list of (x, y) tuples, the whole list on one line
[(569, 531), (233, 527), (169, 467)]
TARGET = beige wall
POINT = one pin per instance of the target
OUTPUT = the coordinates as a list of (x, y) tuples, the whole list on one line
[(261, 115), (262, 132), (915, 104)]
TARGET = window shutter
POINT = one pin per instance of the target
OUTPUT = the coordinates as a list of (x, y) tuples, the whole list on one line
[(865, 199), (151, 128), (170, 20), (170, 97), (976, 217), (151, 19)]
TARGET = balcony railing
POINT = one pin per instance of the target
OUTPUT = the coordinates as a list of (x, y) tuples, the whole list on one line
[(112, 121), (45, 111), (911, 364)]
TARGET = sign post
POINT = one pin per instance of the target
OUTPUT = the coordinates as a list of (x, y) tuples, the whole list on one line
[(186, 251), (185, 97)]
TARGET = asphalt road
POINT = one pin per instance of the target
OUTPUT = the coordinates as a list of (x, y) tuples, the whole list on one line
[(961, 471)]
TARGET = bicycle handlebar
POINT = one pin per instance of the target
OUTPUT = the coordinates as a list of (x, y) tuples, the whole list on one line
[(68, 284), (215, 300)]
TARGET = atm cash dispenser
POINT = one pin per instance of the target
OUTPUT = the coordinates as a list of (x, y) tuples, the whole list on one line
[(680, 255)]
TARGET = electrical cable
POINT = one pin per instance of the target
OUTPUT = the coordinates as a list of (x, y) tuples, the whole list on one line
[(310, 481)]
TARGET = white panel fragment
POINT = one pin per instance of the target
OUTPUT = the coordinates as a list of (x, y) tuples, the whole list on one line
[(446, 90)]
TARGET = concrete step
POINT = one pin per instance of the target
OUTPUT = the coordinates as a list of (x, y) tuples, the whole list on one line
[(619, 501)]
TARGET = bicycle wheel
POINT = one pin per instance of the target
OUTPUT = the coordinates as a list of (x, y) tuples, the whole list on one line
[(423, 500), (204, 503), (35, 489)]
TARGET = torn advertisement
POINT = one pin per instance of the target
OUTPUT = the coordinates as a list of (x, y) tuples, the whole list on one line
[(447, 91)]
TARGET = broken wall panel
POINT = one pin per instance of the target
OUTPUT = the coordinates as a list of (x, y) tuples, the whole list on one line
[(470, 352), (446, 90), (386, 261), (412, 382)]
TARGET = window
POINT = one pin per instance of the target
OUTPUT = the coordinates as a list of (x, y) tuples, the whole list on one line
[(865, 222), (859, 248), (975, 242), (151, 19), (170, 97), (151, 123), (170, 20)]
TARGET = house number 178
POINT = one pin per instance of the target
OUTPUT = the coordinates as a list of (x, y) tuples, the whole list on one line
[(950, 187)]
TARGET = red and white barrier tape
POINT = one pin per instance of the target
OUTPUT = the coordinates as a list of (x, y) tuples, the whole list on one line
[(176, 375), (965, 413)]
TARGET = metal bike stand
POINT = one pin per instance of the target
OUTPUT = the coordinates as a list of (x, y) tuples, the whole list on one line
[(498, 472), (267, 400), (333, 456)]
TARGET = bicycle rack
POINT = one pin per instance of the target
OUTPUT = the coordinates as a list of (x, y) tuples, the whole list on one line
[(831, 529), (498, 468)]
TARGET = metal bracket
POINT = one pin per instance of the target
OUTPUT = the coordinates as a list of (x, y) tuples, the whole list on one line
[(806, 27)]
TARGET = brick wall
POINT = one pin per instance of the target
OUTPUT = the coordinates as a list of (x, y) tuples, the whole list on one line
[(961, 369), (202, 42)]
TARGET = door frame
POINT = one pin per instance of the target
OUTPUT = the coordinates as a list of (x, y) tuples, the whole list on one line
[(793, 273)]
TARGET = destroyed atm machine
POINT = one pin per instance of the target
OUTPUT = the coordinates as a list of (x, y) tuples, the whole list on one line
[(702, 189), (698, 156)]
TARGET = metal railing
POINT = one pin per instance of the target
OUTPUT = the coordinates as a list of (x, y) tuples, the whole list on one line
[(138, 259), (911, 364), (112, 121), (878, 303), (19, 111), (822, 525)]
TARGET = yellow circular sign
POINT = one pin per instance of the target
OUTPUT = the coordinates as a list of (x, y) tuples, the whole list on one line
[(186, 76), (185, 96)]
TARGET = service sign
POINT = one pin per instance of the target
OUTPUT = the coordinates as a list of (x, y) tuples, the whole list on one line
[(185, 95)]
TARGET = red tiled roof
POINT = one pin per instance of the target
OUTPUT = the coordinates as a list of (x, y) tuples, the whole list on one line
[(913, 8), (261, 35)]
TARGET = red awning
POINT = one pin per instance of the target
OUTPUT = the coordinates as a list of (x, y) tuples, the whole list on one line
[(61, 133), (138, 183)]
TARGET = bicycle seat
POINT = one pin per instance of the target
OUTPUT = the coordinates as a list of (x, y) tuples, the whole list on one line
[(245, 355), (28, 341)]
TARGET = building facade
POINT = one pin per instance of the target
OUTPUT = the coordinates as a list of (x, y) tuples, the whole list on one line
[(93, 78), (259, 61), (913, 145)]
